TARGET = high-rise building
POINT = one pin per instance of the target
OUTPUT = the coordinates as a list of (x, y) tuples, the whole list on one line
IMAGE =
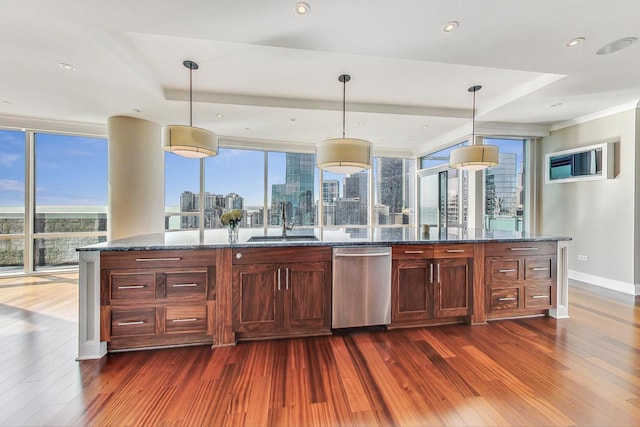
[(297, 192), (330, 191), (501, 187), (355, 188), (390, 186)]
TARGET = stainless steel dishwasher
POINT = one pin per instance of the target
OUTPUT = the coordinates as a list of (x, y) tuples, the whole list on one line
[(361, 286)]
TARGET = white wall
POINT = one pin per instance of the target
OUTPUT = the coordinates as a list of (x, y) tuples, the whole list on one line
[(600, 216)]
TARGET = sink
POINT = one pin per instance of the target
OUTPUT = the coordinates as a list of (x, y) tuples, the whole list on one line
[(293, 238)]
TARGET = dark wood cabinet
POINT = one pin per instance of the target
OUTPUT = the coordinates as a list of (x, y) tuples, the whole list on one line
[(278, 299), (520, 279), (453, 265), (430, 284), (157, 298), (412, 290), (452, 287)]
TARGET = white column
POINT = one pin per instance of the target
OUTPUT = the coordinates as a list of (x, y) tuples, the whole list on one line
[(136, 178), (89, 344), (562, 296)]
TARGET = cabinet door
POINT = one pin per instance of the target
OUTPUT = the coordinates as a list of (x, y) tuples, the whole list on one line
[(256, 304), (307, 288), (412, 290), (452, 287)]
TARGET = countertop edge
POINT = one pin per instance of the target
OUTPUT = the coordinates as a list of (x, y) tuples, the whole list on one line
[(202, 246)]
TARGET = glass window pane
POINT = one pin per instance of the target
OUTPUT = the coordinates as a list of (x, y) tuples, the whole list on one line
[(11, 255), (60, 252), (440, 157), (181, 183), (394, 189), (293, 180), (70, 184), (12, 148), (234, 179), (503, 187), (351, 207)]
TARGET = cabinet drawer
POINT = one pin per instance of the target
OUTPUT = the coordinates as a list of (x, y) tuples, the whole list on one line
[(504, 299), (133, 322), (538, 268), (462, 250), (186, 319), (503, 270), (520, 248), (132, 286), (186, 284), (268, 255), (412, 252), (537, 296), (157, 259)]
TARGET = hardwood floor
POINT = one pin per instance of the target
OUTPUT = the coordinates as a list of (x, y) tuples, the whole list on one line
[(538, 371)]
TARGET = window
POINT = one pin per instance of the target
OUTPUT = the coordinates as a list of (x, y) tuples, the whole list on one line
[(69, 188), (12, 191), (70, 197), (503, 187), (234, 179), (182, 184), (293, 181), (393, 178)]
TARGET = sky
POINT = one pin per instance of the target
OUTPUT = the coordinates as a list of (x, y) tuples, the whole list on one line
[(67, 170), (72, 171)]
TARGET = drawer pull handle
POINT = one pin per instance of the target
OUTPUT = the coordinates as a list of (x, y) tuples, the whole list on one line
[(540, 296), (525, 249), (188, 319), (540, 268), (509, 270), (157, 259), (132, 287), (454, 251), (135, 322), (413, 252), (185, 285), (507, 299)]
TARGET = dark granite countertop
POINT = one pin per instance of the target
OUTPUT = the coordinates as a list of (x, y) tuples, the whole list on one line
[(213, 239)]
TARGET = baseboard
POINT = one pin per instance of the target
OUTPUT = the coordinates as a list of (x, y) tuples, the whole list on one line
[(603, 282)]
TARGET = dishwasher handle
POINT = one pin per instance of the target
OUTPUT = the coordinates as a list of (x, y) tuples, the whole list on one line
[(374, 254)]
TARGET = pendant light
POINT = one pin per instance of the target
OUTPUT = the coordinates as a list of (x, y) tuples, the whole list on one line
[(474, 157), (344, 155), (189, 141)]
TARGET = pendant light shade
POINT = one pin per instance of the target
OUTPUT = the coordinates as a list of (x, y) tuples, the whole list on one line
[(189, 141), (474, 157), (344, 155)]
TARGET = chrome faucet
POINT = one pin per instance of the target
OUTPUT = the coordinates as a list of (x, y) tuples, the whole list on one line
[(285, 227)]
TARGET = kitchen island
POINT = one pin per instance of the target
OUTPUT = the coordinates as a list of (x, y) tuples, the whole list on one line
[(185, 289)]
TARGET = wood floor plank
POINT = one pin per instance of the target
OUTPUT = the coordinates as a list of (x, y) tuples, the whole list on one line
[(536, 371)]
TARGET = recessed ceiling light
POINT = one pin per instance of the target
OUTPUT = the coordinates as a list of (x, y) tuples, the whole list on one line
[(292, 119), (219, 116), (66, 66), (425, 126), (617, 45), (450, 26), (302, 8), (137, 110), (574, 42), (557, 104), (360, 123), (5, 102)]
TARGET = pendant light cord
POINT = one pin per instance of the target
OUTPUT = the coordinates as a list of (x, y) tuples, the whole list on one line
[(473, 120), (191, 97), (344, 104)]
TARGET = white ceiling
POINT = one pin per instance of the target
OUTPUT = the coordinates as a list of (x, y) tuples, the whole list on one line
[(273, 75)]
